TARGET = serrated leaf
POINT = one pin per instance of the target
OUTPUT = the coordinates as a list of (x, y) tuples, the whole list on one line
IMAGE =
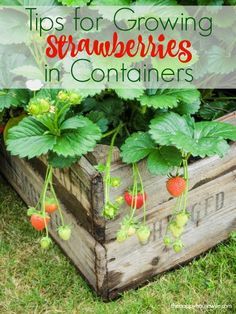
[(164, 127), (188, 101), (13, 98), (199, 139), (129, 93), (27, 139), (137, 147), (159, 101), (98, 117), (79, 136), (162, 161), (61, 162), (8, 99), (31, 138), (214, 129)]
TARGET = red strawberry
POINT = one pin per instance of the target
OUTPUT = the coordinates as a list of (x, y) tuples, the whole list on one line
[(39, 222), (50, 205), (137, 200), (176, 186)]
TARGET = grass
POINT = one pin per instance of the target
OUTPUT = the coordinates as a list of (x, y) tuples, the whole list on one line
[(32, 281)]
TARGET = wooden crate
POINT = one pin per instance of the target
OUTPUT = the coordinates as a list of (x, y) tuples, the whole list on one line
[(111, 267)]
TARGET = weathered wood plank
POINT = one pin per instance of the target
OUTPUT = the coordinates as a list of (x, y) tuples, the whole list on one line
[(213, 209)]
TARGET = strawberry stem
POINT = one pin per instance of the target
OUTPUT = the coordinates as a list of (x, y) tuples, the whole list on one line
[(107, 176)]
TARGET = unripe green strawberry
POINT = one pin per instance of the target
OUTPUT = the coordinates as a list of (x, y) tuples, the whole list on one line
[(167, 241), (181, 219), (178, 246), (109, 211), (33, 109), (121, 235), (45, 243), (63, 96), (44, 105), (74, 98), (115, 182), (120, 200), (38, 106), (175, 230), (143, 234), (64, 232), (131, 230)]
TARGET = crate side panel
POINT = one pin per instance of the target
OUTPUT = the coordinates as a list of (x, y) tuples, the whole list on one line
[(213, 217)]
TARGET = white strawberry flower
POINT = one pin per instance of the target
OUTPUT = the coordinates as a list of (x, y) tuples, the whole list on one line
[(34, 85)]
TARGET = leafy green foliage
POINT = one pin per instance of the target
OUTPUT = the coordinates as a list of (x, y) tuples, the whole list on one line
[(99, 118), (36, 136), (160, 160), (187, 101), (13, 98), (29, 139), (58, 161), (215, 109), (129, 93), (199, 139), (111, 108)]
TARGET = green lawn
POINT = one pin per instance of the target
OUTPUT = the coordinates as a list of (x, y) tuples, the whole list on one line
[(32, 281)]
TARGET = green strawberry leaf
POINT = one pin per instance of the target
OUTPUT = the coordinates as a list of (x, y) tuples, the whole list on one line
[(28, 139), (129, 93), (13, 98), (137, 147), (187, 100), (61, 162), (159, 101), (162, 161), (99, 118), (78, 136), (31, 137), (166, 127), (199, 139)]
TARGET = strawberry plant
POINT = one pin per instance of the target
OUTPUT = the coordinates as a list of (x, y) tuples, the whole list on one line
[(162, 127), (167, 146), (53, 130)]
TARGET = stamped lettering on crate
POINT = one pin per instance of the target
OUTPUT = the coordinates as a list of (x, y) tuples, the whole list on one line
[(198, 211)]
